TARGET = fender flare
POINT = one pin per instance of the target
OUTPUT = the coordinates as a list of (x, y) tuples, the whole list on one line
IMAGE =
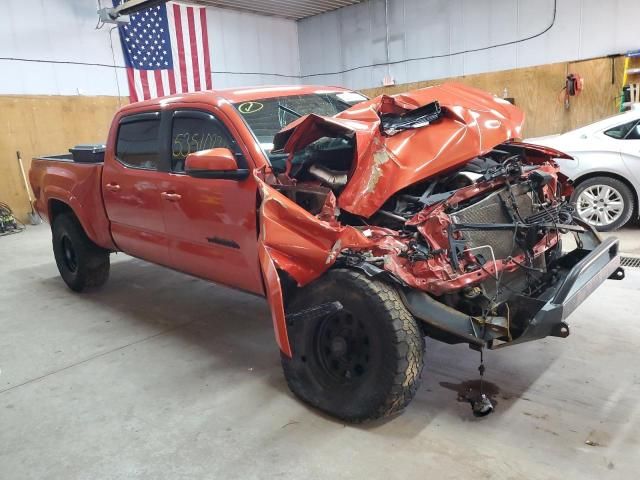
[(57, 194)]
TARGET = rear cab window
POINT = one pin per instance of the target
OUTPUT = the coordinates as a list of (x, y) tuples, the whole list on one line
[(138, 141)]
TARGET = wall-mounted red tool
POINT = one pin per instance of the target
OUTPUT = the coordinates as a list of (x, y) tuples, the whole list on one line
[(573, 85)]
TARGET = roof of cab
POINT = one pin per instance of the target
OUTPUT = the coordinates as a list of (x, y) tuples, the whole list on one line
[(241, 94)]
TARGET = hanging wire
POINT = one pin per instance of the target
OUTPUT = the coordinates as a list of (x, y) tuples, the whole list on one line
[(338, 72)]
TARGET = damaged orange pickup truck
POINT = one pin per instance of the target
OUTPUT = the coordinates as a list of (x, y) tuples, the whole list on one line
[(367, 224)]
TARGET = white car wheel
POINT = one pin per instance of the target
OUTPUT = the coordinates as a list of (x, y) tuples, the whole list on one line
[(600, 205), (603, 202)]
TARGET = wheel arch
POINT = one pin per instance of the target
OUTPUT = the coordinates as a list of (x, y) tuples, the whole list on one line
[(582, 178), (58, 207), (90, 222)]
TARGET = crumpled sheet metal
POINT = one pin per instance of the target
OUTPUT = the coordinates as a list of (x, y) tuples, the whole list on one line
[(305, 245), (298, 243), (473, 123)]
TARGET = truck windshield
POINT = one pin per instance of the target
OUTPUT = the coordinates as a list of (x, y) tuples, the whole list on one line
[(268, 116)]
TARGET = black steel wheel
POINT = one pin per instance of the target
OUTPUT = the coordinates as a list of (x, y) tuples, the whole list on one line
[(81, 263), (361, 363), (343, 347), (69, 258)]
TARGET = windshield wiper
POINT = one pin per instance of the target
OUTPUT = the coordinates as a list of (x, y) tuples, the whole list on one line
[(289, 110), (420, 117)]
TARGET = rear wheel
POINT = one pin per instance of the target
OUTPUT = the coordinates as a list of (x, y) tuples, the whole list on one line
[(82, 264), (361, 363), (605, 203)]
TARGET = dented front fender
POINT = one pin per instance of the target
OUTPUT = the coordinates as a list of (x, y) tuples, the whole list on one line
[(294, 241)]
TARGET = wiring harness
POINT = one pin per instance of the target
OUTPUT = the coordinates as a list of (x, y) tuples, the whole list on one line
[(8, 223)]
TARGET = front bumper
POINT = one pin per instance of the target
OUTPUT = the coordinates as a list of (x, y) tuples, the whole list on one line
[(579, 273), (584, 270)]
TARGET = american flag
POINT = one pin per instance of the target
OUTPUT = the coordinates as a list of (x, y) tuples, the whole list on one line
[(166, 51)]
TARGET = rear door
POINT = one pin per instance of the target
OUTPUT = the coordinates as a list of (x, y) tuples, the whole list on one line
[(131, 187), (210, 223)]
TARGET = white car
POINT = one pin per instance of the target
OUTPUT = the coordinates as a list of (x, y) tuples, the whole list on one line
[(605, 168)]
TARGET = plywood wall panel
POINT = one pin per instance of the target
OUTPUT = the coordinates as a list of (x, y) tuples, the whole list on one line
[(538, 91), (41, 125)]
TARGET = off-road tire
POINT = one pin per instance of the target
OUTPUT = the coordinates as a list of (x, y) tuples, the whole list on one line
[(394, 349), (626, 194), (82, 264)]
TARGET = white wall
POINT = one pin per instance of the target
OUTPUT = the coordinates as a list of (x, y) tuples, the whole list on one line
[(242, 42), (64, 30), (356, 35)]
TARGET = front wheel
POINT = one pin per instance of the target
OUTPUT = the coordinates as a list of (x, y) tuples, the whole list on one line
[(361, 363), (82, 264), (605, 203)]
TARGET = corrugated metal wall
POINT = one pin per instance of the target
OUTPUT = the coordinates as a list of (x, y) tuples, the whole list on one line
[(63, 30), (357, 35)]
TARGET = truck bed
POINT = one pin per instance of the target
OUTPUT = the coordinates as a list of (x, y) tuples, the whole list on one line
[(59, 180), (93, 153), (63, 157)]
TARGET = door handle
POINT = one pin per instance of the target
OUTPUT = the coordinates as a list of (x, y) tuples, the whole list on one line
[(112, 187), (171, 196)]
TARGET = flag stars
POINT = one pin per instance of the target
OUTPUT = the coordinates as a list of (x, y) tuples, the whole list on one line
[(146, 40)]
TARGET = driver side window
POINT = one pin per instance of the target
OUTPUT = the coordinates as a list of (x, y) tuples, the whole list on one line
[(193, 131)]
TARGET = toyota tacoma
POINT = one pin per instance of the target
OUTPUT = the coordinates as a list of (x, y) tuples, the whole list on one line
[(367, 224)]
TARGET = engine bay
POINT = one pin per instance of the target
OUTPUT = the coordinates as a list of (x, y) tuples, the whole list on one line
[(438, 199), (476, 238)]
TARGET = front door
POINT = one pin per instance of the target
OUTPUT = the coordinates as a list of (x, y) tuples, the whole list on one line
[(210, 223), (130, 185)]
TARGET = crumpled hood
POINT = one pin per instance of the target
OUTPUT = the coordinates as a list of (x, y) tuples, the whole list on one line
[(473, 122)]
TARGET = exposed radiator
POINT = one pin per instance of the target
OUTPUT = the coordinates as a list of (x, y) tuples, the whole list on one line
[(491, 209)]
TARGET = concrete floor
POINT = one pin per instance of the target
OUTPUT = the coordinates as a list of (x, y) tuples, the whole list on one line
[(162, 376)]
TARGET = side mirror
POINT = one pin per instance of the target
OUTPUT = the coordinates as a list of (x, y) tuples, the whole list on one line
[(214, 163)]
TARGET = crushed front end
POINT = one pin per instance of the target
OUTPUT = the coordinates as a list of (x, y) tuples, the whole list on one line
[(484, 262), (430, 191)]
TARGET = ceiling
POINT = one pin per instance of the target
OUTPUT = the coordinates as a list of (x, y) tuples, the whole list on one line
[(294, 9)]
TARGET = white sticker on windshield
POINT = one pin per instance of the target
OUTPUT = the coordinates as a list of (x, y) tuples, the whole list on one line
[(351, 97)]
